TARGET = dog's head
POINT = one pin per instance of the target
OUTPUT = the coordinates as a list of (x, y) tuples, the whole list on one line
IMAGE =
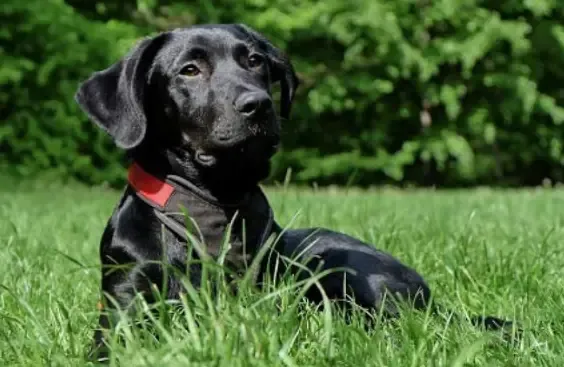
[(204, 91)]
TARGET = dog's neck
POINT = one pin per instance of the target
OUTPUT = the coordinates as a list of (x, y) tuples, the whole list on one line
[(179, 205), (227, 188)]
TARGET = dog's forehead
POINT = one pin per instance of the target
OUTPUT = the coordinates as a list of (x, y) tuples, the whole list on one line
[(215, 39), (217, 35)]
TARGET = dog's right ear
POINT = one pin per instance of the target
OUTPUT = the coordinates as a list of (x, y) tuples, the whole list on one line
[(113, 98)]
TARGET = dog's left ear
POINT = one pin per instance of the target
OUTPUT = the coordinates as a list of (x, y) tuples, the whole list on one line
[(283, 71), (114, 98)]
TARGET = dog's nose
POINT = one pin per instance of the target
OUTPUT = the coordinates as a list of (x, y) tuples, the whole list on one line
[(251, 104)]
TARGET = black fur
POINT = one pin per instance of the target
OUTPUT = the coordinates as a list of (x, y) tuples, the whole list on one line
[(197, 103)]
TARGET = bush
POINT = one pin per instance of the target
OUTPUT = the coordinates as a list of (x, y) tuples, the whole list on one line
[(449, 92), (46, 49)]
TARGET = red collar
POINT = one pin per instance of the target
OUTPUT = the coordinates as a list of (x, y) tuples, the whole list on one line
[(150, 187)]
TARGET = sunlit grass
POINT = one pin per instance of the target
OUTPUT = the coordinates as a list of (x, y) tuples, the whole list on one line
[(482, 251)]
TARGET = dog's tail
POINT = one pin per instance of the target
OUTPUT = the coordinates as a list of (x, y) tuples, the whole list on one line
[(509, 329), (491, 322)]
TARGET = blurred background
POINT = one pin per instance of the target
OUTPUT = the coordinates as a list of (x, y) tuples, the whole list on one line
[(448, 93)]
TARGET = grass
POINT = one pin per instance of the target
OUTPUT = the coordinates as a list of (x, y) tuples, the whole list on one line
[(482, 251)]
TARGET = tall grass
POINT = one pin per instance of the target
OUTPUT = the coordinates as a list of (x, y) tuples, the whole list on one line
[(482, 252)]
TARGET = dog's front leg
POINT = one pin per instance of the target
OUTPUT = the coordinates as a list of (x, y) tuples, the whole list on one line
[(98, 351)]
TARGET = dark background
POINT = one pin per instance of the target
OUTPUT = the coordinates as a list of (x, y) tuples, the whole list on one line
[(407, 92)]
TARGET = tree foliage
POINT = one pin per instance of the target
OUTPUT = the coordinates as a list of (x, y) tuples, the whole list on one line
[(450, 92)]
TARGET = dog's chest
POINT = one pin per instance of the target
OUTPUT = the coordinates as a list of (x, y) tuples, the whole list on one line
[(240, 230)]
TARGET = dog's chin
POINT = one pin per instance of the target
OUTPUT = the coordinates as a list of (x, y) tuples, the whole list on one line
[(240, 168), (247, 152), (205, 159)]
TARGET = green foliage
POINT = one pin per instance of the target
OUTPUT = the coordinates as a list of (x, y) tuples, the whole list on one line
[(46, 49), (451, 92)]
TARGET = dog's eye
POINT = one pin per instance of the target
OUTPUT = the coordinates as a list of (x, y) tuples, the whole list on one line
[(255, 61), (190, 70)]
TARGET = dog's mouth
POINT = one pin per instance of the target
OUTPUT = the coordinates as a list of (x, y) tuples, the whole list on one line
[(204, 159), (249, 149)]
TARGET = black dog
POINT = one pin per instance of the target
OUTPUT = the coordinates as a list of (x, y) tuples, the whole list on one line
[(193, 108)]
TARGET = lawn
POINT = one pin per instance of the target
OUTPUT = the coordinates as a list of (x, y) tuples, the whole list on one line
[(482, 251)]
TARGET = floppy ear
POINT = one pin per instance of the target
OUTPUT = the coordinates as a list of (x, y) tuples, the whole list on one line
[(113, 98), (283, 71)]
